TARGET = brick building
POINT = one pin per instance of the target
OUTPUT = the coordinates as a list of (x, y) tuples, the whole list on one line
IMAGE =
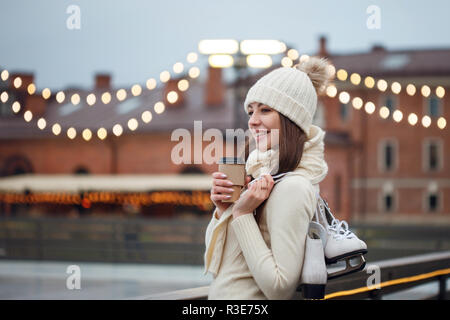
[(377, 167)]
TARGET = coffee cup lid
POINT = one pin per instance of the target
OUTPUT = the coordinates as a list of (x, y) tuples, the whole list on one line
[(231, 160)]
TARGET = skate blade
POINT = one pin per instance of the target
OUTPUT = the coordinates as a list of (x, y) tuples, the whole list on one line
[(352, 263)]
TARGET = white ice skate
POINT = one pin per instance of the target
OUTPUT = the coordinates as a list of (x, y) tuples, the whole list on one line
[(342, 244), (314, 272)]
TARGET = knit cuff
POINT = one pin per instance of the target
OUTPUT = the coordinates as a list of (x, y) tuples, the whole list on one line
[(250, 239)]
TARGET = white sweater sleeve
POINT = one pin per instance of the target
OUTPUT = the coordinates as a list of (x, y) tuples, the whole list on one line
[(289, 209)]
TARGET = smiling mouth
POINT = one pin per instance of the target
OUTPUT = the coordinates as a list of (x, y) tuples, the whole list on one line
[(259, 134)]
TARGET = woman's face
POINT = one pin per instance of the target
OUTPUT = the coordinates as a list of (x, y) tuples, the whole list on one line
[(264, 124)]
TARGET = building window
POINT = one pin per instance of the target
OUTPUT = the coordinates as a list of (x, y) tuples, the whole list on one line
[(388, 203), (433, 155), (344, 111), (433, 107), (433, 202), (390, 102), (387, 155)]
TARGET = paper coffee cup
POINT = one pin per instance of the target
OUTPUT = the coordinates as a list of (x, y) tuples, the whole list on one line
[(234, 168)]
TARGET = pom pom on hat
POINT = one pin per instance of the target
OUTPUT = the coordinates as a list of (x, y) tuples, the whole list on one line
[(318, 71)]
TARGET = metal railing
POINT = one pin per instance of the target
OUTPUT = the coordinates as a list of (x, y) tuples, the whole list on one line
[(395, 275)]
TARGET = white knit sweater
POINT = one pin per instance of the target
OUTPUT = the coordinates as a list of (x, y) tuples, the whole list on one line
[(265, 262)]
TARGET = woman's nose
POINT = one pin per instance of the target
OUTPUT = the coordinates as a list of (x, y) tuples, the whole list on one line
[(254, 119)]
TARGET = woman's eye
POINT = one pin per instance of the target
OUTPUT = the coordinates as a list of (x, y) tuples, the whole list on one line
[(266, 110), (250, 113)]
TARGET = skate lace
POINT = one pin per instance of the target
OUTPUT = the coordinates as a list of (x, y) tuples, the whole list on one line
[(340, 229)]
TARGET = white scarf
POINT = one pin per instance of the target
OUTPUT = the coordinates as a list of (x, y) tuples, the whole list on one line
[(312, 164)]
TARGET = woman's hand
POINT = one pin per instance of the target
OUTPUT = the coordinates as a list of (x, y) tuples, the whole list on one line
[(221, 190), (257, 192)]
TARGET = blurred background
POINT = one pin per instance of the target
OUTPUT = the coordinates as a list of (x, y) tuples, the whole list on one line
[(91, 92)]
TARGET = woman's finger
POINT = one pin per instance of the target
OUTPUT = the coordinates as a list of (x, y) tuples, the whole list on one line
[(220, 197), (221, 190), (222, 183), (219, 175)]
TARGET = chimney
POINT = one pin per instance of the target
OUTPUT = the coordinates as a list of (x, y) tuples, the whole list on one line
[(172, 85), (33, 102), (26, 79), (323, 52), (215, 88), (378, 48), (102, 81)]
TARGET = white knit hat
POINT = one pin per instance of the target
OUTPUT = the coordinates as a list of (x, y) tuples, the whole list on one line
[(292, 91)]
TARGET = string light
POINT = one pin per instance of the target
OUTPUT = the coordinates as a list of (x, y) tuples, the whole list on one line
[(425, 90), (426, 121), (56, 129), (382, 85), (440, 92), (411, 89), (106, 97), (121, 94), (146, 116), (16, 107), (357, 103), (17, 82), (4, 75), (341, 74), (41, 123), (159, 107), (286, 62), (396, 87), (117, 130), (133, 124), (28, 116), (397, 116), (412, 119), (355, 79), (369, 82), (136, 90), (31, 88), (344, 97), (46, 93), (369, 107), (384, 112), (86, 134), (194, 72), (71, 133), (151, 83), (441, 123), (75, 99), (102, 133), (60, 96), (4, 97), (91, 99), (331, 91), (172, 97)]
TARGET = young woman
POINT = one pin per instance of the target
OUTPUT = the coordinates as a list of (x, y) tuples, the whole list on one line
[(255, 246)]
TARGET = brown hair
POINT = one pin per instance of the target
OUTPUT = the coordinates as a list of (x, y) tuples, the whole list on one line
[(291, 141)]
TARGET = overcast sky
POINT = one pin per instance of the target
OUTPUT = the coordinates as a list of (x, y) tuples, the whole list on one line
[(135, 39)]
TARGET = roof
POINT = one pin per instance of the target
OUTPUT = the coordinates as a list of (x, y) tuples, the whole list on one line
[(118, 183), (99, 115), (401, 63)]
